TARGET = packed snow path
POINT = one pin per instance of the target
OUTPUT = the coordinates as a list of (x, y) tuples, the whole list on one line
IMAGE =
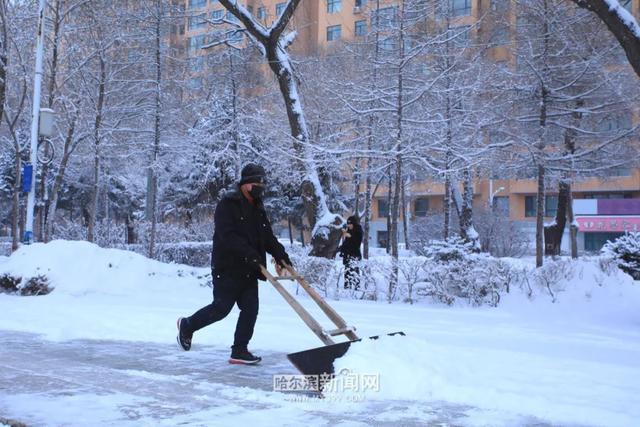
[(87, 382)]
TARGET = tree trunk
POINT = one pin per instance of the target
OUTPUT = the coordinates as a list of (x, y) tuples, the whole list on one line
[(290, 231), (553, 233), (540, 216), (15, 208), (447, 206), (356, 185), (367, 212), (573, 227), (405, 216), (624, 31), (93, 206), (372, 127), (53, 205), (464, 208), (4, 56), (326, 226), (156, 131), (389, 203)]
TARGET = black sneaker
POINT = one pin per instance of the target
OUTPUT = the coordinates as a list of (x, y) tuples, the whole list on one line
[(243, 357), (184, 337)]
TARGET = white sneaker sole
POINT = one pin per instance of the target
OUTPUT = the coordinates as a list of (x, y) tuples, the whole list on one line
[(243, 362)]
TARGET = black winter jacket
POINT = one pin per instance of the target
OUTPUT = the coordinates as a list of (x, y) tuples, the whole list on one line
[(242, 232), (351, 245)]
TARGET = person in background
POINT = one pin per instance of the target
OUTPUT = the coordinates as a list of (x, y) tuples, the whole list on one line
[(350, 252)]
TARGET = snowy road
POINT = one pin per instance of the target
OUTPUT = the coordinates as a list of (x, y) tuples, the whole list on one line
[(86, 382)]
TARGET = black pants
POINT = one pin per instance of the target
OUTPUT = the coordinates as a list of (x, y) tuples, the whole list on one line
[(351, 272), (227, 292)]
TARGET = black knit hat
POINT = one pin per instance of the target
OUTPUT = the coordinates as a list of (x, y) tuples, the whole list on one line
[(253, 174)]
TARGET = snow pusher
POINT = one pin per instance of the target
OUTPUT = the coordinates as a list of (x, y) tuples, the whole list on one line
[(319, 360)]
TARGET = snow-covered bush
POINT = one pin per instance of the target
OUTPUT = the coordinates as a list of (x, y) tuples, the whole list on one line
[(452, 249), (625, 252), (553, 275), (454, 272), (468, 279), (322, 273), (411, 272), (38, 285)]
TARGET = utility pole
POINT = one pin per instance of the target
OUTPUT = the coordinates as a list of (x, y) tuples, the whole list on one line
[(35, 124)]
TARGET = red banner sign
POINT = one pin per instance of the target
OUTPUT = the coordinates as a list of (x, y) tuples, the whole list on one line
[(610, 224)]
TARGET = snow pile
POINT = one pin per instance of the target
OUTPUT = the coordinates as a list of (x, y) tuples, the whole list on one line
[(581, 390), (79, 268)]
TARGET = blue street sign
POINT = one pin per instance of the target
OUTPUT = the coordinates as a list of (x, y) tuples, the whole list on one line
[(27, 173)]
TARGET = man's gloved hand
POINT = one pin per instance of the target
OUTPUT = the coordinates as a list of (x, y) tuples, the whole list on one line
[(281, 264), (284, 260)]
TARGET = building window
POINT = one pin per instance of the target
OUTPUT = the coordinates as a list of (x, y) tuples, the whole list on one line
[(333, 33), (593, 242), (550, 206), (383, 238), (361, 28), (250, 9), (608, 196), (194, 4), (334, 6), (501, 205), (197, 22), (626, 4), (387, 45), (383, 208), (360, 3), (196, 42), (232, 18), (421, 206), (618, 171), (280, 8), (500, 5), (460, 7), (177, 29), (530, 206), (385, 17), (262, 13), (217, 15)]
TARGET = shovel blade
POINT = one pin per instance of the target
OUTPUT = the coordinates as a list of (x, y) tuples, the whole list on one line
[(319, 361)]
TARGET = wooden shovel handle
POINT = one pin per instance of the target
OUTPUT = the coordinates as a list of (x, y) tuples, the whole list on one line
[(326, 308), (298, 308)]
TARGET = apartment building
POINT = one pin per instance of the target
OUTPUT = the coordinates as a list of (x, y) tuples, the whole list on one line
[(604, 207)]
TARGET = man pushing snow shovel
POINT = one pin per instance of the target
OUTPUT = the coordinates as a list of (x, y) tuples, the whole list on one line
[(241, 237)]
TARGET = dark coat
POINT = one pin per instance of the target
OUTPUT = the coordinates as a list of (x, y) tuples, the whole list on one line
[(242, 232), (351, 245)]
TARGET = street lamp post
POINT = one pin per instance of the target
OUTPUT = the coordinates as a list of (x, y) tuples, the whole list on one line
[(35, 123)]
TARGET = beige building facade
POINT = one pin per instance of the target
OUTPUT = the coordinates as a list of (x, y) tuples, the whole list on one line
[(321, 23)]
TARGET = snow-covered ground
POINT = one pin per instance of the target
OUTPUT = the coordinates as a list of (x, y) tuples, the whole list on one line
[(99, 350)]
